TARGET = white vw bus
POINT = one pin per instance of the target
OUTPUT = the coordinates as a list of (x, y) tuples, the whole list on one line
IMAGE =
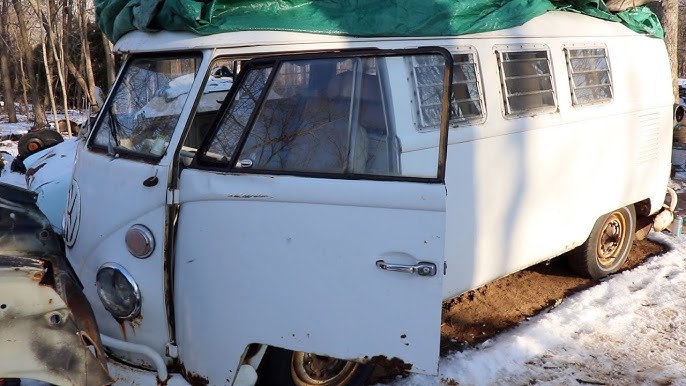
[(250, 205)]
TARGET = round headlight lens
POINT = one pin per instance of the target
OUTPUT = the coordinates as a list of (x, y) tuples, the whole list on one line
[(118, 291), (139, 241)]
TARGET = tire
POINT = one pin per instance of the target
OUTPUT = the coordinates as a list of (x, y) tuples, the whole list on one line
[(607, 248), (35, 141), (281, 367)]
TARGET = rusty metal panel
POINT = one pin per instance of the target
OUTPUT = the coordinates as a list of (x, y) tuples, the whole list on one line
[(24, 230), (47, 328)]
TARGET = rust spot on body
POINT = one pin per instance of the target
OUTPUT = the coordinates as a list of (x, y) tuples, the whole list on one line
[(122, 327), (31, 171), (136, 322), (196, 379), (250, 352), (163, 383), (391, 366)]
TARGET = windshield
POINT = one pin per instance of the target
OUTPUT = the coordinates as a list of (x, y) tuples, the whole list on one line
[(144, 109)]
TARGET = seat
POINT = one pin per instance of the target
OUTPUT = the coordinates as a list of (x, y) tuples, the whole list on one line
[(323, 141), (318, 139)]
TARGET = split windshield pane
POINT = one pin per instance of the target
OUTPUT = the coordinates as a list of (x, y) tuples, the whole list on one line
[(145, 107)]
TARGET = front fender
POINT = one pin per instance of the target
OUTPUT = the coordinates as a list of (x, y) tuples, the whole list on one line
[(48, 174)]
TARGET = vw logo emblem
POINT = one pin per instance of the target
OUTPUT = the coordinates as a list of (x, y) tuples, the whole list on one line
[(72, 215)]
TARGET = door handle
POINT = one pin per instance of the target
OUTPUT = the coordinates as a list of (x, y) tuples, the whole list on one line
[(423, 268)]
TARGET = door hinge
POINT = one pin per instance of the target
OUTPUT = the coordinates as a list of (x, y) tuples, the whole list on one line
[(173, 197), (171, 350)]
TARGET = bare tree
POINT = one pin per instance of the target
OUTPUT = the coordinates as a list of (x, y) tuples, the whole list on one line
[(8, 90), (668, 12), (26, 50), (83, 30), (46, 63), (109, 60), (681, 40), (55, 37)]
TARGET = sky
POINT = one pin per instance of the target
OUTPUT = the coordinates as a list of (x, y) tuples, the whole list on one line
[(630, 329)]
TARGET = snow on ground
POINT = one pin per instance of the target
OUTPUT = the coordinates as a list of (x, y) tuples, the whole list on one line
[(8, 149), (628, 330)]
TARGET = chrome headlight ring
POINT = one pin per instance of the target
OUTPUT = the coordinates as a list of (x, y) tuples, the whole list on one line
[(118, 291)]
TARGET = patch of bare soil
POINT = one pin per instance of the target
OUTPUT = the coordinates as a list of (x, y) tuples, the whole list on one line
[(480, 314)]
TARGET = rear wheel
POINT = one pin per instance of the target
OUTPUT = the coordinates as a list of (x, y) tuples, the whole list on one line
[(607, 248), (296, 368)]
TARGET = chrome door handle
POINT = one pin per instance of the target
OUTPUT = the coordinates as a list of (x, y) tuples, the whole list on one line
[(423, 268)]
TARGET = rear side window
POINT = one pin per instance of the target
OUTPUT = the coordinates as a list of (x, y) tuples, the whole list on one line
[(466, 104), (467, 97), (589, 75), (527, 81)]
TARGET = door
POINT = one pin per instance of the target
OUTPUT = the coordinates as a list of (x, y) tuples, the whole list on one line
[(304, 225), (119, 193)]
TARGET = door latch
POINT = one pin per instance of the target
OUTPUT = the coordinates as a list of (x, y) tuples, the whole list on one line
[(423, 268)]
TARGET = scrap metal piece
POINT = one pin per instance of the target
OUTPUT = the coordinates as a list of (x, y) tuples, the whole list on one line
[(47, 327), (24, 229)]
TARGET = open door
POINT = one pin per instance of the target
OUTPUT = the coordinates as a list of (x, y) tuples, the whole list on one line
[(313, 216)]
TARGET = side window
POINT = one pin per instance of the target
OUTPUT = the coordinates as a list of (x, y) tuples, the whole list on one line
[(527, 81), (589, 75), (320, 121), (219, 82), (466, 105), (467, 96), (236, 117), (324, 116)]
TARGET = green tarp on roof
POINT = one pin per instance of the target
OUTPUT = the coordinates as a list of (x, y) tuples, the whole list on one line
[(362, 18)]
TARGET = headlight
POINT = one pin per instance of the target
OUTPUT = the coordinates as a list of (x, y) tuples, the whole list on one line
[(139, 241), (118, 291)]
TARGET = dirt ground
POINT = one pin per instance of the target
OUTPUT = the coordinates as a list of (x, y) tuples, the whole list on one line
[(480, 314)]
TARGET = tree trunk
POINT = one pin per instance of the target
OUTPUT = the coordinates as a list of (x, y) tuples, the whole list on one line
[(48, 73), (109, 60), (8, 93), (24, 86), (55, 38), (80, 80), (83, 21), (681, 49), (47, 65), (668, 12), (27, 51), (8, 90)]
